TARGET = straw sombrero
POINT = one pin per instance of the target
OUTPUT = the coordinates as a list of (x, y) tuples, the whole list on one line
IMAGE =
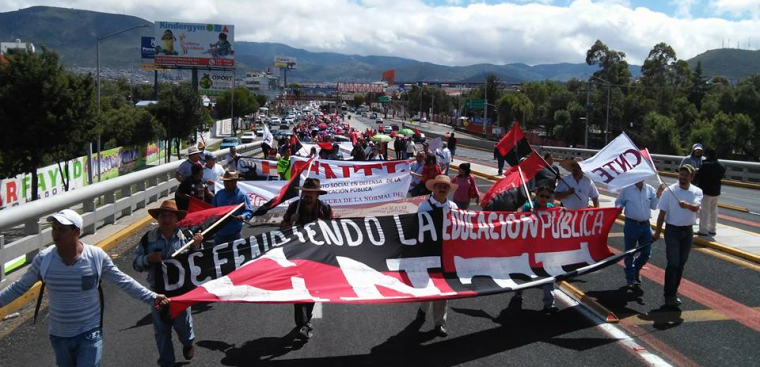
[(167, 206), (312, 184), (430, 184)]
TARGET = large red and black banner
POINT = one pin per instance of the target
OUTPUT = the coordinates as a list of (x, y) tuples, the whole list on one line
[(398, 258)]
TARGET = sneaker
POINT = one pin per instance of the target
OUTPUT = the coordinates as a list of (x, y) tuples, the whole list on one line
[(638, 278), (440, 330), (701, 234), (673, 301), (188, 352), (712, 233)]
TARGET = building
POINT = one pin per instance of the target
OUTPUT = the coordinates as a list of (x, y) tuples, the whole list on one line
[(18, 45), (263, 83)]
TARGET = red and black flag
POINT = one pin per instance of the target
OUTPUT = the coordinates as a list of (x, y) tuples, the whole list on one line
[(507, 194), (514, 146), (288, 191)]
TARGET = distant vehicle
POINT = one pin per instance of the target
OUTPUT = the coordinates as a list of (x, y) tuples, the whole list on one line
[(289, 121), (373, 115), (387, 130), (379, 120), (364, 114), (248, 137), (284, 127), (416, 118), (395, 127), (229, 142), (424, 119), (260, 132), (274, 121)]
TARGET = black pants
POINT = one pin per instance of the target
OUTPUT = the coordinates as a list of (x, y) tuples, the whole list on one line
[(302, 313)]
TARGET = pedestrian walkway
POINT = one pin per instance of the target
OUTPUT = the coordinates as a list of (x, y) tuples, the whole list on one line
[(728, 239)]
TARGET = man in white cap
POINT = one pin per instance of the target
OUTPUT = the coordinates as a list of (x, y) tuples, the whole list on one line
[(185, 168), (211, 172), (73, 272), (440, 187)]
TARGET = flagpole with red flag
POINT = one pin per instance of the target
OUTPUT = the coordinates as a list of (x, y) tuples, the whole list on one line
[(210, 228)]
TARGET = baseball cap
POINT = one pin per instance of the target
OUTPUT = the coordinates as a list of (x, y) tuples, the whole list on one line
[(209, 157), (688, 167), (67, 217)]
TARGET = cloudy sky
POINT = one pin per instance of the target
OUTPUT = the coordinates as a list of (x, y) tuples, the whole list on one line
[(461, 32)]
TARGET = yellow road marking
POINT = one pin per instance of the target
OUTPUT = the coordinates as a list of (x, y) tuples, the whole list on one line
[(676, 317)]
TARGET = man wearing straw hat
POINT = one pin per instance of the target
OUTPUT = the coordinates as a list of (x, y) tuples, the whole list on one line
[(155, 246), (306, 210), (231, 195), (440, 187)]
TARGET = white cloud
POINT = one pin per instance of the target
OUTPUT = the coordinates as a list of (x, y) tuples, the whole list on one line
[(683, 7), (737, 7), (452, 35)]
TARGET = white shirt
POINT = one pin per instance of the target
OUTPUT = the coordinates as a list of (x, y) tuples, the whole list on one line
[(638, 204), (584, 189), (443, 156), (212, 174), (428, 205), (674, 214), (231, 163)]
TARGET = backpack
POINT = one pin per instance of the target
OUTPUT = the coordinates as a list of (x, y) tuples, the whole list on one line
[(47, 257)]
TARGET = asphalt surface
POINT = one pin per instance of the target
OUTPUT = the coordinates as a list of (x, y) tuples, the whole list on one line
[(718, 325)]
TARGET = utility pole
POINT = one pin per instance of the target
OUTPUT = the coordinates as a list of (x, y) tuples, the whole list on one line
[(485, 106), (607, 120), (588, 112)]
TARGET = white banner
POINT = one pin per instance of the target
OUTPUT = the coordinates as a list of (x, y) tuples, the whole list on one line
[(434, 144), (262, 167), (347, 182), (267, 138), (619, 164), (345, 147)]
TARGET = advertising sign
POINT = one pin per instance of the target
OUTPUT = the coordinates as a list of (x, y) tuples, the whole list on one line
[(148, 47), (18, 190), (360, 88), (214, 83), (195, 44), (285, 62)]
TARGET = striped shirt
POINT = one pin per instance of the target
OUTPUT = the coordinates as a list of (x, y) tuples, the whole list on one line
[(73, 290)]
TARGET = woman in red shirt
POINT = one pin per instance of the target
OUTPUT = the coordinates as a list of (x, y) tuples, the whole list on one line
[(429, 172)]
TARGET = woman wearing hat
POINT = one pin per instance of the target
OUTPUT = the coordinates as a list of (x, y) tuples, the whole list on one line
[(440, 187), (306, 210)]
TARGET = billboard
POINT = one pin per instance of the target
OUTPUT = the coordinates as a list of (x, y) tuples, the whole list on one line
[(285, 62), (195, 44), (215, 82), (148, 47)]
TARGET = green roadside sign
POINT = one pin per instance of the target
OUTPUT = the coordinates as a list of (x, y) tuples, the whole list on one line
[(384, 99), (475, 104)]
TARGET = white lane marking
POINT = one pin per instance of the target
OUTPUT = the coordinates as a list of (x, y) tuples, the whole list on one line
[(317, 312), (614, 332)]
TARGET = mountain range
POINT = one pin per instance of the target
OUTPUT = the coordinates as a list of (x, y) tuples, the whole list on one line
[(73, 33)]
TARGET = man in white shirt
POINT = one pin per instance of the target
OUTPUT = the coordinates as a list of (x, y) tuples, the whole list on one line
[(440, 188), (575, 189), (444, 158), (637, 201), (211, 172), (678, 208)]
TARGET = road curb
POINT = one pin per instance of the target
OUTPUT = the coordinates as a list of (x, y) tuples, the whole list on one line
[(590, 303), (727, 249), (108, 244)]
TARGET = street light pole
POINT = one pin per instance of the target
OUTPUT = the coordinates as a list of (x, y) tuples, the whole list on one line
[(97, 46)]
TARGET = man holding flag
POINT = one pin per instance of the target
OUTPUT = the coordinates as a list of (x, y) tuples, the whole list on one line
[(575, 189), (231, 195)]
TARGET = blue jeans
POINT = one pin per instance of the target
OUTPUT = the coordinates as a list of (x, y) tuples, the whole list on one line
[(183, 324), (83, 350), (636, 233), (224, 238), (678, 242)]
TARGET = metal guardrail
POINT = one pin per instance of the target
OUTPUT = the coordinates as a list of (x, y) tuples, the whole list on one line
[(136, 191)]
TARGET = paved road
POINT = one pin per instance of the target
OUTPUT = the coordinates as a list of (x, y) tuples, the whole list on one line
[(717, 326)]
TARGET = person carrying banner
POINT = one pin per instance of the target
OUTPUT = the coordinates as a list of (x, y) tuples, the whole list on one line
[(231, 195), (193, 159), (211, 171), (637, 201), (678, 208), (283, 165), (415, 187), (155, 246), (305, 210), (192, 186), (575, 189), (542, 201), (232, 159), (548, 175), (73, 272), (440, 187)]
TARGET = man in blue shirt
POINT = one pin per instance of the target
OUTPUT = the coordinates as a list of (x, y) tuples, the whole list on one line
[(231, 195), (637, 201)]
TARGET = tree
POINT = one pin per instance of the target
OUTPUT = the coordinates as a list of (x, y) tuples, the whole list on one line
[(181, 113), (52, 113), (245, 103), (514, 107), (129, 126), (663, 136), (612, 64)]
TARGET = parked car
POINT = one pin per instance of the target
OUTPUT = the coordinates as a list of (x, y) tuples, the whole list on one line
[(260, 132), (248, 137), (379, 120), (229, 142), (373, 115), (387, 130), (416, 118)]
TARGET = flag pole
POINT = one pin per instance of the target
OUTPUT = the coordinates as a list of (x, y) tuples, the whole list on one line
[(524, 184), (308, 170), (555, 173), (651, 161), (212, 226)]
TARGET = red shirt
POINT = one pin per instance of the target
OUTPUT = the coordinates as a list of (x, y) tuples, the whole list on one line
[(429, 172)]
